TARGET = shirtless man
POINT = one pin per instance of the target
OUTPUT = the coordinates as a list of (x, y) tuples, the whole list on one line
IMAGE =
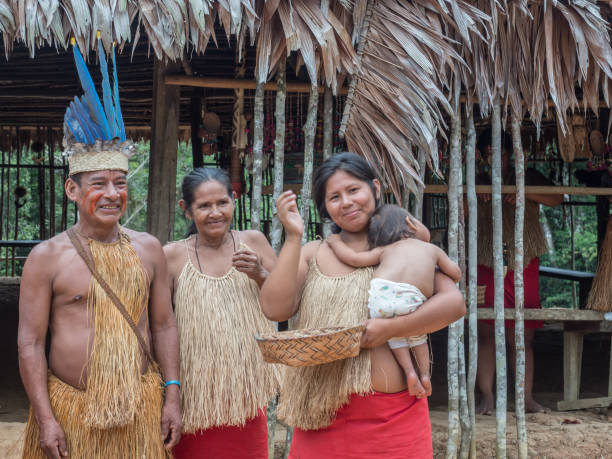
[(55, 289)]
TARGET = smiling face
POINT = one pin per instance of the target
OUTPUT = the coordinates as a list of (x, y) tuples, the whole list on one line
[(350, 201), (212, 209), (101, 196)]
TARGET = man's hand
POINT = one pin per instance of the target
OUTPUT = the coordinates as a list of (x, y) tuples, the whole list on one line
[(171, 419), (375, 334), (52, 439)]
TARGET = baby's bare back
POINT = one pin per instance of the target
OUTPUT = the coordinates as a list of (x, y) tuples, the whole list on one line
[(409, 261)]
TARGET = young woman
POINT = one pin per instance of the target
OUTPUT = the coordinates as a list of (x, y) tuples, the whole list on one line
[(215, 274), (356, 407)]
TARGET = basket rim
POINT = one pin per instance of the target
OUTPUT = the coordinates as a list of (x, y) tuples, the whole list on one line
[(286, 335)]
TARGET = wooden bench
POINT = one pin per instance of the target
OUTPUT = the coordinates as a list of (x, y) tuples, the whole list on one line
[(577, 322)]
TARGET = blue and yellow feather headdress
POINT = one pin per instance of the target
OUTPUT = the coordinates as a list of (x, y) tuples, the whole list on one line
[(94, 133)]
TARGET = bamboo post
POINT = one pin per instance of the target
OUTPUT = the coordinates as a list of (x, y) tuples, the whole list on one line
[(42, 233), (328, 137), (470, 178), (519, 298), (498, 270), (310, 128), (258, 117), (276, 234), (417, 209), (454, 186)]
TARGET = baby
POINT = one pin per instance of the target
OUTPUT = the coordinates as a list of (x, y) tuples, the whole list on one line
[(403, 280)]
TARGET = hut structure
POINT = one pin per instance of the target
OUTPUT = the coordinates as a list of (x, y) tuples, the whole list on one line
[(398, 81)]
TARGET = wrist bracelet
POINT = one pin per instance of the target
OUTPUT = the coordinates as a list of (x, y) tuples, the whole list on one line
[(172, 381)]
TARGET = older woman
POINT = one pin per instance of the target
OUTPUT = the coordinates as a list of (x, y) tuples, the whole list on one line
[(356, 407), (215, 276)]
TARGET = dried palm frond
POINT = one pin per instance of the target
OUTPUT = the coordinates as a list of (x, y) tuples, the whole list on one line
[(166, 24), (39, 23), (7, 25), (398, 89)]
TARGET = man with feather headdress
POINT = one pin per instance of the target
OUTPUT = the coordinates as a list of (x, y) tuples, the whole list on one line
[(102, 292)]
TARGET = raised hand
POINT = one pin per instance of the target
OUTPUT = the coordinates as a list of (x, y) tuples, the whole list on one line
[(289, 215), (249, 263)]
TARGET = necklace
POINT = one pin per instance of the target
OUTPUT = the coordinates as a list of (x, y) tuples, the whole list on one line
[(195, 247)]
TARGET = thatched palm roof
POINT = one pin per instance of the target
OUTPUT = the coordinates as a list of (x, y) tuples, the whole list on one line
[(400, 60)]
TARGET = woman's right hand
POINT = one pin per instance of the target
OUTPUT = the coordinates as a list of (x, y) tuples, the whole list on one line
[(289, 215)]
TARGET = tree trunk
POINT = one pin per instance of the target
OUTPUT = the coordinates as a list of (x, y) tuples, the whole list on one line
[(161, 197), (310, 129), (470, 173), (464, 413), (258, 117), (328, 138), (519, 298), (276, 234), (454, 184), (498, 271)]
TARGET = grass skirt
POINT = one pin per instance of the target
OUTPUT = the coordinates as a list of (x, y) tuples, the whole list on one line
[(138, 439)]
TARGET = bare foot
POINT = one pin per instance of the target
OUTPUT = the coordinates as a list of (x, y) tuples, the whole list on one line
[(414, 385), (531, 406), (426, 382), (486, 405)]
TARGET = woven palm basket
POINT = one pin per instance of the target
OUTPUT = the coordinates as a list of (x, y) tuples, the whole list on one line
[(302, 348), (481, 289)]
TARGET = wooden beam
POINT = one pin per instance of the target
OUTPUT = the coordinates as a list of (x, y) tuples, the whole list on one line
[(163, 154), (234, 83), (486, 189), (511, 189), (553, 314), (600, 402)]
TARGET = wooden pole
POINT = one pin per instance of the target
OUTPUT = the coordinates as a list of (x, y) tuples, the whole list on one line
[(161, 196), (258, 118), (498, 270), (454, 184), (276, 234), (519, 298), (470, 173), (464, 413), (51, 147), (310, 130), (417, 210), (328, 138), (196, 120), (236, 83), (511, 189)]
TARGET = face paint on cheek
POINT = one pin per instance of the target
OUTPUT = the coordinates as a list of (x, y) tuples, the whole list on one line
[(123, 195), (94, 196)]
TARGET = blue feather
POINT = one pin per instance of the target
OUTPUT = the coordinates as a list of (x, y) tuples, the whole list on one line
[(106, 92), (93, 101), (74, 126), (118, 116), (79, 128), (81, 114)]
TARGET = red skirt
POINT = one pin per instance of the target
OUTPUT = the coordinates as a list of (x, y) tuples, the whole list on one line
[(531, 282), (227, 442), (374, 426)]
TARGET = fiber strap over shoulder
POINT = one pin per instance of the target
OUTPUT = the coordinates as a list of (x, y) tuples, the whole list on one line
[(113, 297)]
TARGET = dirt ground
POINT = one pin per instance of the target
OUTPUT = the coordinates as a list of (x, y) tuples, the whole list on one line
[(585, 434)]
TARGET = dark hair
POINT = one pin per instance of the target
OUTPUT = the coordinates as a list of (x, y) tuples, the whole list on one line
[(484, 140), (195, 178), (352, 164), (76, 178), (388, 225)]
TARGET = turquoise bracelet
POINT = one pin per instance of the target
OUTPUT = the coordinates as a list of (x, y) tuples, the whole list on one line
[(172, 381)]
